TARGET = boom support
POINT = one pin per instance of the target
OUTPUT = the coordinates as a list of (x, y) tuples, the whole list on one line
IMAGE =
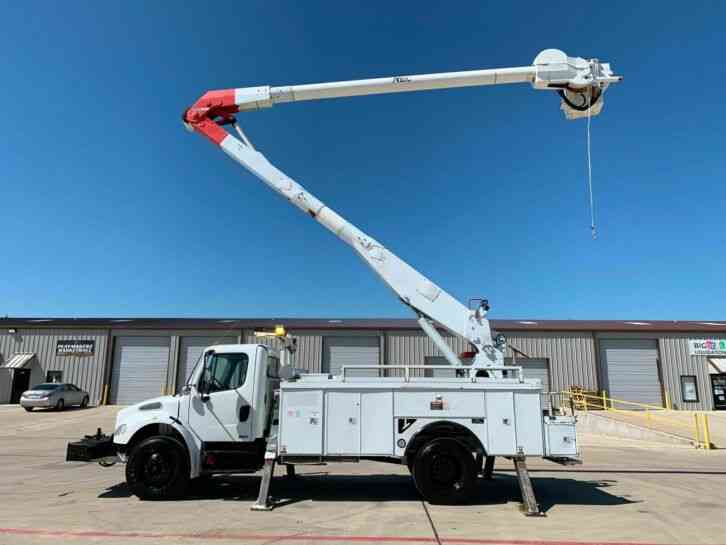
[(580, 83)]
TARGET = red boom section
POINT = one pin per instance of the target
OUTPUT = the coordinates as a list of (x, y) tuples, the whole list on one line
[(213, 109)]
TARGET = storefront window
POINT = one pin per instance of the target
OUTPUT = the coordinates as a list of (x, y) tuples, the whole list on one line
[(54, 376), (689, 388)]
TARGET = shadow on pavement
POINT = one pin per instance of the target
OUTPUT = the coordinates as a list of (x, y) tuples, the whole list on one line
[(551, 491)]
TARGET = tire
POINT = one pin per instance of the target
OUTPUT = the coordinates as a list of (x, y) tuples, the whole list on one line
[(29, 409), (158, 469), (60, 405), (444, 472), (84, 403)]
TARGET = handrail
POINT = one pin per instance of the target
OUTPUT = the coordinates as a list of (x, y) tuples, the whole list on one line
[(701, 432), (407, 376), (611, 400)]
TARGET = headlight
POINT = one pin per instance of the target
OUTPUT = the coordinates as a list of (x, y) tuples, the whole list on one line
[(120, 429)]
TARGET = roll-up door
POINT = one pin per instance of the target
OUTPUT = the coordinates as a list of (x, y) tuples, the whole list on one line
[(536, 368), (340, 351), (191, 352), (139, 369), (631, 370)]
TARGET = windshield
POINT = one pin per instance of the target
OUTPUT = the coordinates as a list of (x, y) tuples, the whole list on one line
[(46, 387)]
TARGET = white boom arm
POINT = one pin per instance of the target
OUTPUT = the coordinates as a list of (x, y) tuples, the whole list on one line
[(580, 83)]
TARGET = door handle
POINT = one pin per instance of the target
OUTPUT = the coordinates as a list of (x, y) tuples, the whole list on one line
[(244, 413), (351, 420)]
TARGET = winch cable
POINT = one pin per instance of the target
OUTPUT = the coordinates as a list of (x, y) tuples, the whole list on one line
[(593, 230)]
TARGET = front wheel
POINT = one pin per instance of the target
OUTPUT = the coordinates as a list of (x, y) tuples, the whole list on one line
[(445, 472), (60, 405), (29, 409), (84, 403), (158, 469)]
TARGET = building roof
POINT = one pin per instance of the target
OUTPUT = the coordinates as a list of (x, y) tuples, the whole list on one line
[(18, 361), (705, 326)]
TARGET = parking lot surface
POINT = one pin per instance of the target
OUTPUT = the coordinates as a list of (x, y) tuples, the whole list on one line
[(625, 492)]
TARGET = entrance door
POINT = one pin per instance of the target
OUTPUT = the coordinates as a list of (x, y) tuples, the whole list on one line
[(220, 408), (21, 382), (718, 388)]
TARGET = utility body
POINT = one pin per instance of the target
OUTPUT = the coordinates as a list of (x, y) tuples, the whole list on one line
[(244, 408)]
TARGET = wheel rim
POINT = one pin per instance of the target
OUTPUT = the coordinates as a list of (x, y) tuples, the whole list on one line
[(157, 469), (446, 471)]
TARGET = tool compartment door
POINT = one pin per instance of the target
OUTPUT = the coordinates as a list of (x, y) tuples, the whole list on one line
[(376, 413), (501, 432), (342, 423), (529, 423), (301, 422)]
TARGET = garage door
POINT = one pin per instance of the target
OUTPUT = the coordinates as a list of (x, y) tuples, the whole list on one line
[(340, 351), (191, 352), (139, 368), (631, 370), (536, 368)]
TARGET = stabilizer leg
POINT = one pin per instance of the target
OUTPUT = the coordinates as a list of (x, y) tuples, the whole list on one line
[(264, 503), (529, 501), (488, 467)]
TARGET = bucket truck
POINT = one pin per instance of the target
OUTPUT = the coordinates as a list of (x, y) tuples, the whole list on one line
[(236, 415)]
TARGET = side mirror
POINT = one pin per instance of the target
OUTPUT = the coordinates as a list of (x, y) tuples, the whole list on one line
[(203, 389)]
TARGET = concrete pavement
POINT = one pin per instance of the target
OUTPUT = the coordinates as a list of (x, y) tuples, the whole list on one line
[(625, 492)]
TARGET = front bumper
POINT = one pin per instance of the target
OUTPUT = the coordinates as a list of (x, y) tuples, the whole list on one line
[(36, 402), (92, 448)]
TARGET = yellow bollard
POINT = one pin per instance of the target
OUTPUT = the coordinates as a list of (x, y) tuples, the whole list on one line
[(105, 394), (604, 400), (706, 432), (668, 401)]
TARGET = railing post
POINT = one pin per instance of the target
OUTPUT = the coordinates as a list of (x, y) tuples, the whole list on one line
[(706, 432), (697, 428)]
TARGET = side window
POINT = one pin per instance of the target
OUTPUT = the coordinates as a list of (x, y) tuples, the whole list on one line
[(225, 372), (273, 367)]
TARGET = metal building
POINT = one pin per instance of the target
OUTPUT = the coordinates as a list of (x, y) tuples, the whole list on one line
[(125, 360)]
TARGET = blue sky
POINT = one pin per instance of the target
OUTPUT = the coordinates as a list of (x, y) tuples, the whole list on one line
[(110, 208)]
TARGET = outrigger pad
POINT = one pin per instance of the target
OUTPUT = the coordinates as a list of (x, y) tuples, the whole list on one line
[(91, 448)]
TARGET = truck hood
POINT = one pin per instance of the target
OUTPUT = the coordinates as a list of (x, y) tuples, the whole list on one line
[(149, 410)]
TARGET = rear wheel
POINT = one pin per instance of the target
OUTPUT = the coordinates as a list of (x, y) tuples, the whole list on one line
[(444, 472), (84, 403), (28, 408), (158, 469), (60, 405)]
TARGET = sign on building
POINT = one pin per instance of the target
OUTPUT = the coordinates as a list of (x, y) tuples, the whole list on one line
[(75, 348), (707, 347)]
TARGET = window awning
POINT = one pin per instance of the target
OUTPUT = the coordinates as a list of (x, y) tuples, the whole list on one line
[(716, 365), (18, 361)]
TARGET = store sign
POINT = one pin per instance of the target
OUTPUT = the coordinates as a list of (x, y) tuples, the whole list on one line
[(75, 348), (707, 347)]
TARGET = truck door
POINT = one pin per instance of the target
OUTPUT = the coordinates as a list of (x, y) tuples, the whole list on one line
[(221, 403)]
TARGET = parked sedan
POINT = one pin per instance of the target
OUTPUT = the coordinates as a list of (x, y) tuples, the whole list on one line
[(57, 395)]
